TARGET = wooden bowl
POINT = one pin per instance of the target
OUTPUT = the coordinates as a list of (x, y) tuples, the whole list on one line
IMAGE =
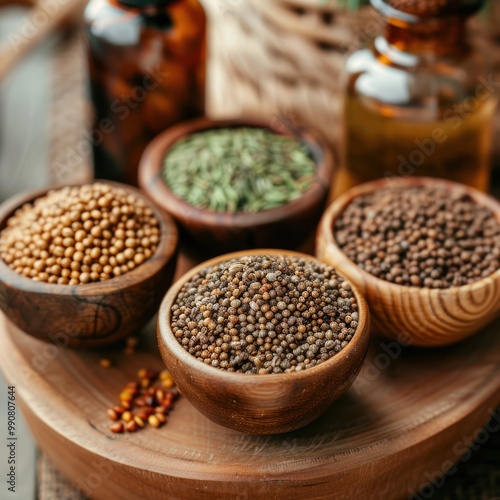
[(414, 315), (282, 227), (93, 314), (260, 404)]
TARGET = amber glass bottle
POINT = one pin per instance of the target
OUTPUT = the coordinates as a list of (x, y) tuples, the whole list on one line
[(420, 100), (147, 72)]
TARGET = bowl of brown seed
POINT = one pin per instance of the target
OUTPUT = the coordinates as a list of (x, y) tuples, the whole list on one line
[(424, 252), (84, 265), (239, 184), (263, 341)]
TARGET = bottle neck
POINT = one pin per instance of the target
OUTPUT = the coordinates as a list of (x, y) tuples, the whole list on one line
[(145, 4), (434, 36)]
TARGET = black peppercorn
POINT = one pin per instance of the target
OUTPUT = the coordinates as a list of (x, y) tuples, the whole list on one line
[(420, 236)]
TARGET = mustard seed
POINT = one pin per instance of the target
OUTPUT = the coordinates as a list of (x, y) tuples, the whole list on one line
[(257, 333), (70, 228)]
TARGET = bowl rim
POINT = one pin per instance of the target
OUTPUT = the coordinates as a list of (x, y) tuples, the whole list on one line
[(151, 180), (327, 232), (165, 251), (165, 334)]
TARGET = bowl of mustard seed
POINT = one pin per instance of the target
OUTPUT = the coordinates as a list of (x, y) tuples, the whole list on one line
[(424, 252), (239, 184), (263, 341), (86, 265)]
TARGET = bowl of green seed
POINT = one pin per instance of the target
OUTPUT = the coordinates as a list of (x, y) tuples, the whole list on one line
[(425, 252), (240, 184), (263, 341)]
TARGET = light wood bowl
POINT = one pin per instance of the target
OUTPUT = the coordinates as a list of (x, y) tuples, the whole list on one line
[(413, 315), (94, 314), (260, 404), (286, 226)]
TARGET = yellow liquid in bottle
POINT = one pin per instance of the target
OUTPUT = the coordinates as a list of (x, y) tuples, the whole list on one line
[(379, 143)]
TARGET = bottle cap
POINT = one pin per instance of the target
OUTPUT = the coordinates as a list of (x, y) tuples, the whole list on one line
[(428, 8), (137, 4)]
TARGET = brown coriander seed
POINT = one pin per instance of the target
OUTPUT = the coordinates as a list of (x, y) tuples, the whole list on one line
[(139, 421), (127, 416), (249, 334), (105, 363), (132, 341), (113, 414), (131, 426), (127, 404), (116, 428), (73, 231), (119, 410), (145, 412), (154, 421), (160, 416)]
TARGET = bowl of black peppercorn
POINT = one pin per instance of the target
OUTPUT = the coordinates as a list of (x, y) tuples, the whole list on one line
[(263, 341), (424, 252)]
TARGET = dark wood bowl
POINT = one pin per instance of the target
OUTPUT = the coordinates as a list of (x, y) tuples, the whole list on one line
[(282, 227), (260, 404), (93, 314), (414, 315)]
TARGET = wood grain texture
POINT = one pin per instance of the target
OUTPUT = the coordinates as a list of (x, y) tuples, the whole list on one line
[(419, 316), (260, 404), (215, 233), (94, 314), (407, 414)]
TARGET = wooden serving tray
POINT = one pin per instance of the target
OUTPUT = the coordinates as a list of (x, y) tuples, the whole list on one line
[(410, 414)]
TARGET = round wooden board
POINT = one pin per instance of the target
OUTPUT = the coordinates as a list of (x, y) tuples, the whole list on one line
[(408, 415)]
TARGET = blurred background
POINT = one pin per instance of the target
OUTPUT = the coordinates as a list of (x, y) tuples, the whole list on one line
[(277, 58)]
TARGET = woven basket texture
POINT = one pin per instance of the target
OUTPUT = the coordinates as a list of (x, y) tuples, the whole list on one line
[(280, 58)]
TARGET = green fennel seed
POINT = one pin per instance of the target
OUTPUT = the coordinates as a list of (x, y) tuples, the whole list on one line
[(238, 170)]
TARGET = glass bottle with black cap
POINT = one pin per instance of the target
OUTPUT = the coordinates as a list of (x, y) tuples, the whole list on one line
[(420, 99), (147, 72)]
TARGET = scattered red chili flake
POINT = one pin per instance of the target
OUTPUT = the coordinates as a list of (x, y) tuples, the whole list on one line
[(117, 428), (146, 401), (131, 344), (105, 363)]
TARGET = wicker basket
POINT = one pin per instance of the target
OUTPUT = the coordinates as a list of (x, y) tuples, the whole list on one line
[(282, 57), (286, 57)]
